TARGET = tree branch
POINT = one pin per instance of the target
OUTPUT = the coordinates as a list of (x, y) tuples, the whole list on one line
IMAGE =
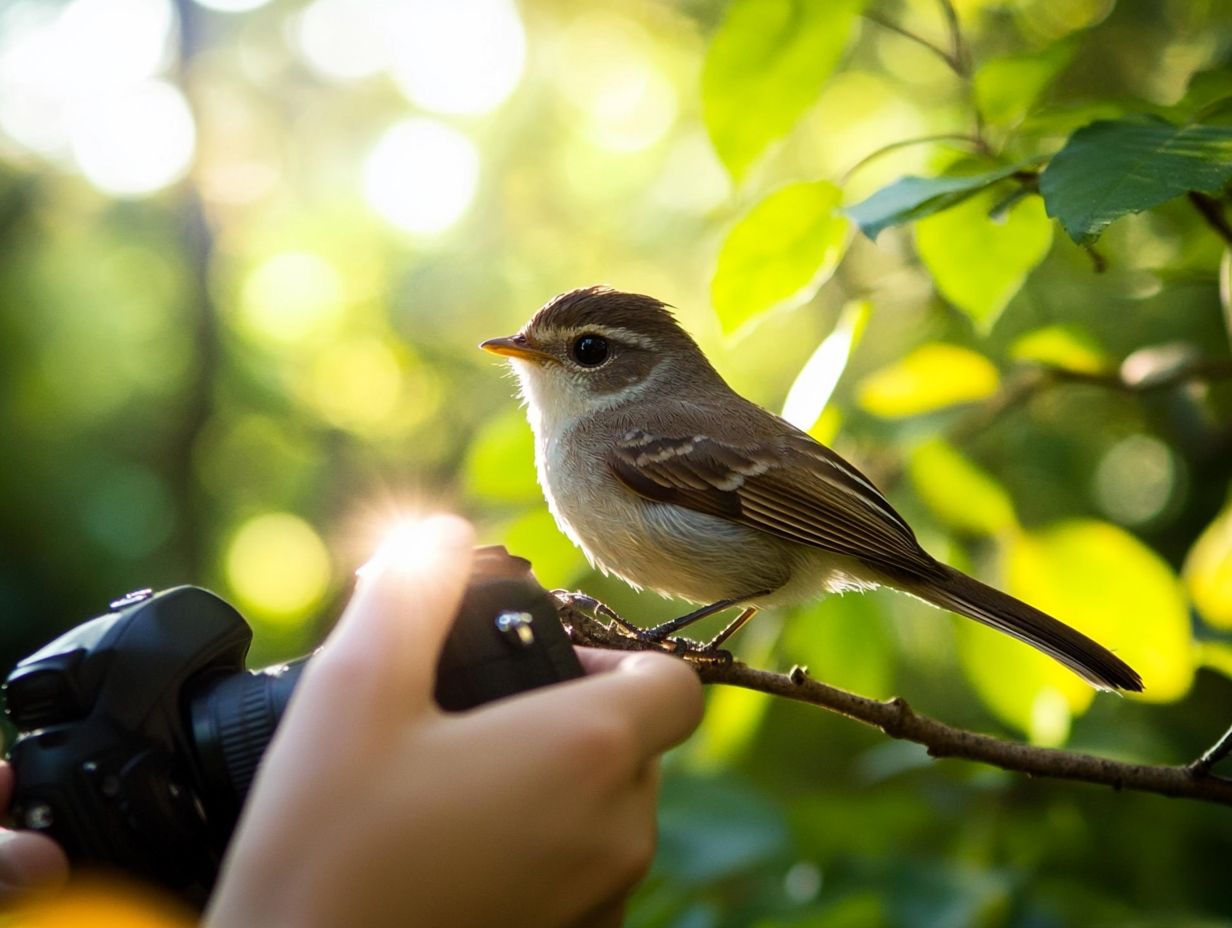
[(898, 720), (1134, 376)]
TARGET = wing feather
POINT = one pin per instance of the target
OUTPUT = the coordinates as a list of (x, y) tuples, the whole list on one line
[(838, 509)]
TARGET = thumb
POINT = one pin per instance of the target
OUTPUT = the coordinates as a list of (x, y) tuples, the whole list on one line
[(386, 645)]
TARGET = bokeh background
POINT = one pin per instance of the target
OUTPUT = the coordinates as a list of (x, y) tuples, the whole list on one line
[(247, 250)]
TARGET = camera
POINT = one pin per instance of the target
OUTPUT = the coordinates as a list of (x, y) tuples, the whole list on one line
[(140, 731)]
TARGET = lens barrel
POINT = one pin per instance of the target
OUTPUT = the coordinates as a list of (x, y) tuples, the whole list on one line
[(233, 719)]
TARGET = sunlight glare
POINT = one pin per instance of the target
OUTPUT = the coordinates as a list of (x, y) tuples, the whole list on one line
[(421, 175), (405, 545)]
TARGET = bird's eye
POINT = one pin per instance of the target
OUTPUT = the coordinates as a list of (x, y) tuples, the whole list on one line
[(589, 350)]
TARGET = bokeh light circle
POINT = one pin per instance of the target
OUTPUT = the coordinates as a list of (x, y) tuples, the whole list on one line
[(277, 565), (231, 6), (421, 175), (464, 56), (136, 141)]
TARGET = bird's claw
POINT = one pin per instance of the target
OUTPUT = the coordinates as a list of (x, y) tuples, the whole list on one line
[(573, 605)]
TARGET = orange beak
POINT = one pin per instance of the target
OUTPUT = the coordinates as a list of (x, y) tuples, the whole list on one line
[(516, 346)]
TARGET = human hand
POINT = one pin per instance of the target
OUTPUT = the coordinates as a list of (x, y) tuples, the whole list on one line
[(374, 807), (28, 860)]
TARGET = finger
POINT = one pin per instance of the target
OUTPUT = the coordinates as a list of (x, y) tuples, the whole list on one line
[(29, 860), (657, 696), (601, 660), (389, 638)]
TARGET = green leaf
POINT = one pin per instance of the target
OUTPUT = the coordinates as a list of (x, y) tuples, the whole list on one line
[(813, 386), (1208, 571), (931, 377), (1111, 168), (1207, 96), (1007, 87), (779, 252), (979, 263), (764, 67), (910, 198), (961, 494)]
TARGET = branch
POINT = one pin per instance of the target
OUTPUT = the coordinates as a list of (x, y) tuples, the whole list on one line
[(1139, 374), (898, 720), (957, 59), (1211, 210)]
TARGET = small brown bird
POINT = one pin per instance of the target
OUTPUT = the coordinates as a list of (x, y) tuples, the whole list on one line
[(667, 478)]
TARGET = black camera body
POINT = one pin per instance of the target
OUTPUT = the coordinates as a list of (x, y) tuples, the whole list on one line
[(141, 731)]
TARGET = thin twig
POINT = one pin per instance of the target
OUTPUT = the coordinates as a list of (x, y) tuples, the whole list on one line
[(1212, 755), (1211, 210), (898, 720), (965, 69), (937, 50), (1098, 262), (904, 143)]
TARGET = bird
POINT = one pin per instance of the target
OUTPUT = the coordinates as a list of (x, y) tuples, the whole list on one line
[(667, 478)]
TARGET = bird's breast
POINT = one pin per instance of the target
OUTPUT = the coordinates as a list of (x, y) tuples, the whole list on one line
[(660, 546)]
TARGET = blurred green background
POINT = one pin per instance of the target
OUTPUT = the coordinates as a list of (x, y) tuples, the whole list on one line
[(247, 250)]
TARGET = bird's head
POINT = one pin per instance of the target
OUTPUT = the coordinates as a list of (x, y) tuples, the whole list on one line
[(596, 348)]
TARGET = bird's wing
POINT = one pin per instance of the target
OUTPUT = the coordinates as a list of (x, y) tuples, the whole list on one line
[(837, 508)]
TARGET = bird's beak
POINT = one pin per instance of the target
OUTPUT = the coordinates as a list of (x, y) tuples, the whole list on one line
[(516, 346)]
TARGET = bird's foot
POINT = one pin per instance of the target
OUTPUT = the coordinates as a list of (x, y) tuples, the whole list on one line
[(595, 620)]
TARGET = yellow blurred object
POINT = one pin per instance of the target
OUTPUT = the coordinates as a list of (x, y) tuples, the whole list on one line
[(1065, 346), (1208, 571), (961, 494), (277, 566), (94, 903), (1109, 585), (931, 377)]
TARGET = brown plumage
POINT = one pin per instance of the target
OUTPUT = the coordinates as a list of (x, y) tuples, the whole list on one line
[(667, 478)]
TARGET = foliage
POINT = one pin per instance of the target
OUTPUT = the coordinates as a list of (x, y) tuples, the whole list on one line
[(239, 376)]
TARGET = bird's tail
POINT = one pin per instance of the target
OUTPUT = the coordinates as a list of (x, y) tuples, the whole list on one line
[(965, 595)]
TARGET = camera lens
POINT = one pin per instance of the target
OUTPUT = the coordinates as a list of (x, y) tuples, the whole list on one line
[(233, 719)]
